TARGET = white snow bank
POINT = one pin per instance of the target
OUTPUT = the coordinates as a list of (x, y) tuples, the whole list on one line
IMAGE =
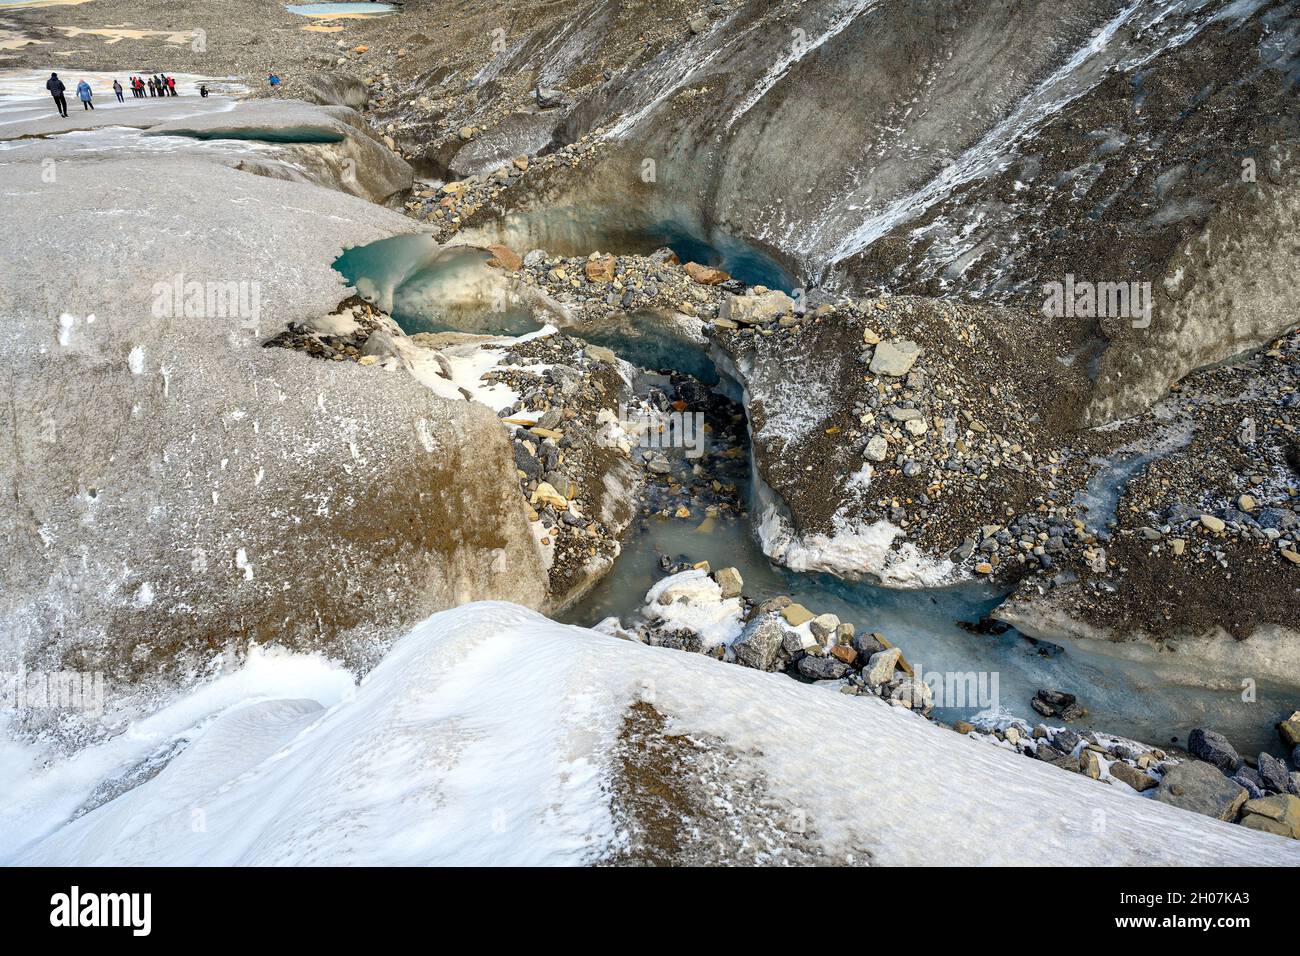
[(43, 789), (695, 604), (485, 735), (854, 549)]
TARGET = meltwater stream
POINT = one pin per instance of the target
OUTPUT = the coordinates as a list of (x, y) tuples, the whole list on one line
[(428, 287)]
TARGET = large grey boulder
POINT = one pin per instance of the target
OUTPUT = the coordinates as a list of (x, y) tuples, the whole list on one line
[(895, 358), (1272, 773), (1199, 787), (520, 134), (880, 668), (759, 646), (756, 308)]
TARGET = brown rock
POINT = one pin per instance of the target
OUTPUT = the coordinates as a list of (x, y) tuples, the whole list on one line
[(844, 653), (600, 269), (503, 257), (705, 275)]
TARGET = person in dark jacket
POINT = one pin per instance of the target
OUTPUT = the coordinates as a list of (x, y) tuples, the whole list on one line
[(203, 89), (117, 90), (56, 88), (83, 94)]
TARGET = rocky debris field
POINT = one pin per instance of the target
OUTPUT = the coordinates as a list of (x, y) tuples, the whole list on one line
[(701, 610), (595, 289), (484, 197)]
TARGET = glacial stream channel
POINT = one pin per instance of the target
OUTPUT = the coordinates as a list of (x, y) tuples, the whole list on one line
[(431, 288)]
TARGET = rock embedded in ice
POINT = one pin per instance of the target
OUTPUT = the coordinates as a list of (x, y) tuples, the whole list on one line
[(1199, 787), (1213, 748)]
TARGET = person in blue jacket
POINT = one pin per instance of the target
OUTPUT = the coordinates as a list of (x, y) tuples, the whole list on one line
[(83, 93)]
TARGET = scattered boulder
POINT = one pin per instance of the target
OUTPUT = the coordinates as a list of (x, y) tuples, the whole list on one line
[(796, 614), (1278, 814), (1199, 787), (1289, 730), (1272, 773), (1089, 764), (823, 626), (730, 581), (877, 448), (914, 694), (1135, 778), (822, 668), (755, 309), (705, 275), (1214, 749), (867, 645), (880, 667), (600, 269), (759, 645), (895, 357)]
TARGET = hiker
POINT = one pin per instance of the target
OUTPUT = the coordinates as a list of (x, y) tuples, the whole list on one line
[(203, 90), (56, 88), (117, 89), (171, 85), (83, 93), (273, 79), (153, 87)]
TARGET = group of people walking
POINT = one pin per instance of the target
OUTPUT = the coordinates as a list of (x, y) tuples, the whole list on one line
[(157, 85)]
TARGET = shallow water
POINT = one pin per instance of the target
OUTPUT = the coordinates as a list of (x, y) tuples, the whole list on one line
[(430, 288), (726, 252), (1121, 698), (340, 9)]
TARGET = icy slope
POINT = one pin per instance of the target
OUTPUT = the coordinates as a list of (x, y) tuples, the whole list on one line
[(486, 735)]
